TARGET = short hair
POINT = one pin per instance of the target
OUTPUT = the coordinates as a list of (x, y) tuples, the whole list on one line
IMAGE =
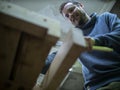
[(63, 4)]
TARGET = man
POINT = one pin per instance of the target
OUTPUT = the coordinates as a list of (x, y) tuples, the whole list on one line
[(101, 70)]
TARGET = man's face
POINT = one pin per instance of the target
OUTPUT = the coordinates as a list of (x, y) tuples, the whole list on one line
[(74, 13)]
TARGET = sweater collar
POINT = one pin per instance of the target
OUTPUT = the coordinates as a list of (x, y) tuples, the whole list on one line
[(91, 22)]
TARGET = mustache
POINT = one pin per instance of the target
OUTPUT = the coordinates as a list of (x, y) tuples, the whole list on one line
[(75, 16)]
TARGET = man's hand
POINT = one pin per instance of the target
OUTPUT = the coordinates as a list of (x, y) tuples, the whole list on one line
[(91, 45), (90, 42)]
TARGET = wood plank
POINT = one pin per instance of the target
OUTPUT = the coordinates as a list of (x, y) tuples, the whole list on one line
[(21, 25), (37, 35), (28, 21), (31, 60), (73, 45), (9, 39)]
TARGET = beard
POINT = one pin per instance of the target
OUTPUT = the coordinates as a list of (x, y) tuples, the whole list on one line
[(82, 20), (80, 23)]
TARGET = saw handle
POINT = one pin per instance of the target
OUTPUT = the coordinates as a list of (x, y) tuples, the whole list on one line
[(102, 48)]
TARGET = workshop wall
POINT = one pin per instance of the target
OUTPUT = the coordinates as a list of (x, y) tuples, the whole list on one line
[(50, 8)]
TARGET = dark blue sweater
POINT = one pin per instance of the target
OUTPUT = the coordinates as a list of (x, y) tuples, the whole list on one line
[(100, 68)]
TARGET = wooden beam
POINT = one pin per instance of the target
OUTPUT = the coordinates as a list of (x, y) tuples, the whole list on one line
[(73, 45), (26, 39), (37, 24), (9, 39)]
